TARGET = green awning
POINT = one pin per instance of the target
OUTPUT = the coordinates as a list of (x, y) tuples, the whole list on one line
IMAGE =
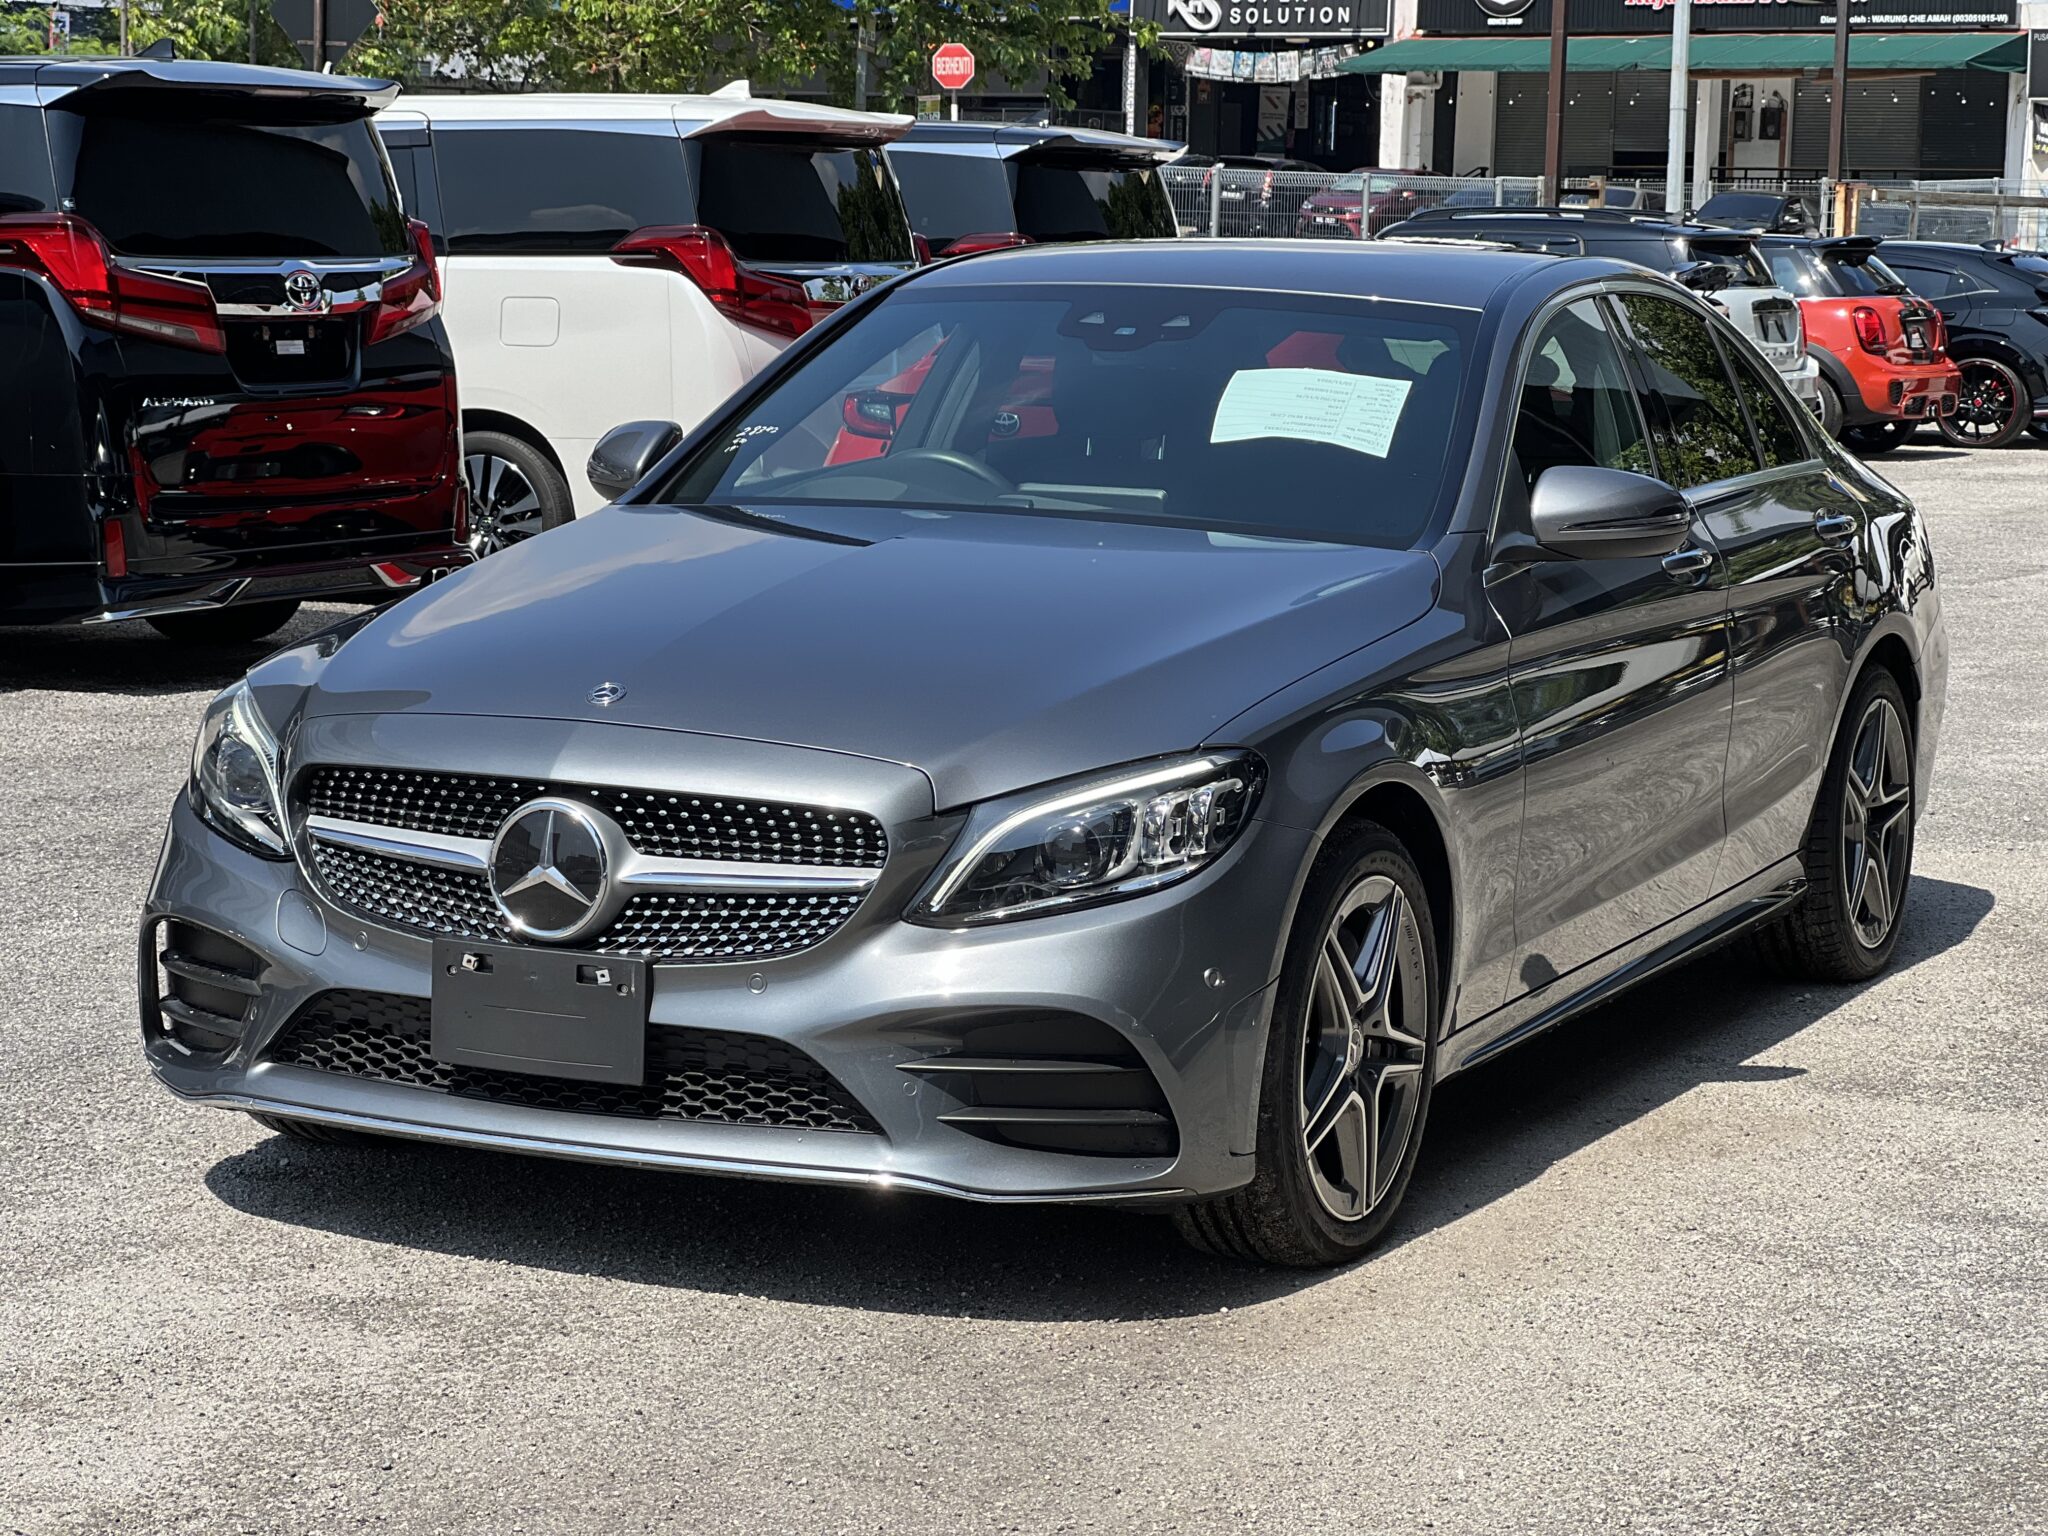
[(1763, 53)]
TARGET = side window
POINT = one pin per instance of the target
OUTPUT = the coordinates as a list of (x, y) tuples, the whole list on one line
[(1933, 282), (1776, 432), (554, 191), (25, 185), (1702, 436), (1576, 406)]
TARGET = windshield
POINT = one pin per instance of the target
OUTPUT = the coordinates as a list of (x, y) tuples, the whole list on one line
[(307, 190), (1251, 414), (1746, 206)]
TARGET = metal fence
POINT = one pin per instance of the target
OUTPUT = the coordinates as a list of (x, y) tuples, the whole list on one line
[(1326, 205), (1322, 205)]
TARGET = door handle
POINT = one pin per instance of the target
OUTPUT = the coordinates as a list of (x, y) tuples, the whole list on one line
[(1835, 527), (1688, 564)]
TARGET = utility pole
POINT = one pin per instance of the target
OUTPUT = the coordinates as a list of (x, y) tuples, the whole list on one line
[(1675, 188), (255, 11), (863, 40), (1553, 132), (320, 37), (1838, 98), (124, 28)]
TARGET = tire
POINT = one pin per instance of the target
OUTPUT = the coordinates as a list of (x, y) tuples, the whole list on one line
[(310, 1130), (515, 491), (241, 624), (1827, 936), (1831, 412), (1882, 437), (1356, 1062), (1994, 408)]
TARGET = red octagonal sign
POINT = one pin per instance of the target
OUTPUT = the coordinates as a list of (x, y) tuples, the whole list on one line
[(953, 66)]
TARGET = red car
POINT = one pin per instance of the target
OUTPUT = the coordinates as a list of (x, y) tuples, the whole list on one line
[(1338, 211), (1883, 364)]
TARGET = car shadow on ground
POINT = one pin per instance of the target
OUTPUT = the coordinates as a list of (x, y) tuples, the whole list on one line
[(1490, 1133), (132, 658)]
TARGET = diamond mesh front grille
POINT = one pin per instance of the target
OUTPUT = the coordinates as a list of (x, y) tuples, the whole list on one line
[(692, 1074), (665, 825), (699, 928)]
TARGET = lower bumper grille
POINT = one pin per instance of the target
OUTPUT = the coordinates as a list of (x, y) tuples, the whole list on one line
[(692, 1074)]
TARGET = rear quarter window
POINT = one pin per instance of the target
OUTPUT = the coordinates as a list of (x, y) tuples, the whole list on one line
[(25, 185), (953, 195), (1059, 202), (781, 201), (261, 188), (557, 191)]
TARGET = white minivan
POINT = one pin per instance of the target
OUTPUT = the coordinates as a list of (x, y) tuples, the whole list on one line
[(615, 258)]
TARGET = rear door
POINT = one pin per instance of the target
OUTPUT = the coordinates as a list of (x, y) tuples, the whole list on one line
[(1619, 670), (294, 432), (1728, 436)]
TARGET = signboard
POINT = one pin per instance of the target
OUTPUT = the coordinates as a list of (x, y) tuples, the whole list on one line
[(952, 66), (2037, 66), (1611, 18), (1214, 20)]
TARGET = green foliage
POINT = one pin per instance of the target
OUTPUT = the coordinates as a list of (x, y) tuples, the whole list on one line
[(648, 45)]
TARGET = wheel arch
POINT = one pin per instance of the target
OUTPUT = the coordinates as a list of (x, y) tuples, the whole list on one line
[(512, 426), (1402, 799)]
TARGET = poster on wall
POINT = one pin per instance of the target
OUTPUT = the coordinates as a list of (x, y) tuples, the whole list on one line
[(1274, 106)]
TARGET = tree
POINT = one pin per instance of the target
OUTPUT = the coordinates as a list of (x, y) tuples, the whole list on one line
[(1014, 40)]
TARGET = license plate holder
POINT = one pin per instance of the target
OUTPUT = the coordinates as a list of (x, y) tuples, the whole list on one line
[(544, 1012)]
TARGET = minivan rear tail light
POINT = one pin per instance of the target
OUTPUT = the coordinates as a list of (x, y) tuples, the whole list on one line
[(70, 253), (738, 292), (873, 412), (413, 297), (1869, 328)]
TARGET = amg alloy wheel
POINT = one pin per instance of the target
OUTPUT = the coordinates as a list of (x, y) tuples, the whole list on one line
[(1993, 408), (1348, 1068), (1859, 849), (515, 492)]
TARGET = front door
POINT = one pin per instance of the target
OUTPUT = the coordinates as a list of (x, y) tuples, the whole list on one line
[(1788, 534), (1619, 670)]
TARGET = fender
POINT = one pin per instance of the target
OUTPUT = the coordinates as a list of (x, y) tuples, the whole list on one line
[(1836, 372), (1991, 345)]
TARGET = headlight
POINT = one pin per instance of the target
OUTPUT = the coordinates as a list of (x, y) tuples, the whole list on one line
[(234, 775), (1093, 841)]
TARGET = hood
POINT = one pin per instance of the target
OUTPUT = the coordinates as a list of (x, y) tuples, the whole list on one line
[(990, 651)]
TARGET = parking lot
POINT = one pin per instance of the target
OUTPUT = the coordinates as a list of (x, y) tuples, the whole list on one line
[(1728, 1256)]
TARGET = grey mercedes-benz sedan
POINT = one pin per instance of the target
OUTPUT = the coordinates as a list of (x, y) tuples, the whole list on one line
[(1107, 723)]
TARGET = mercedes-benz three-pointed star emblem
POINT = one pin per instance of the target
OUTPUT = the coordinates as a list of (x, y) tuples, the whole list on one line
[(550, 870)]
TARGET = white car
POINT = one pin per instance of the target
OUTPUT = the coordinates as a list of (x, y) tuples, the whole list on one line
[(617, 258)]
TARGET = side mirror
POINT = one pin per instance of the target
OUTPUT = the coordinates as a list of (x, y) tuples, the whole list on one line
[(1589, 513), (624, 455)]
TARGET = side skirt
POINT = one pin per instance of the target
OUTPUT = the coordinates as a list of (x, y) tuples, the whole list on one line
[(1754, 901)]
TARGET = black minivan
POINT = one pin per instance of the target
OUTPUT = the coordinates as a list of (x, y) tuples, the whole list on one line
[(980, 186), (224, 388)]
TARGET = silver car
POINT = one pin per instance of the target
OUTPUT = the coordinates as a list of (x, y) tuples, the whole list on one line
[(1109, 722)]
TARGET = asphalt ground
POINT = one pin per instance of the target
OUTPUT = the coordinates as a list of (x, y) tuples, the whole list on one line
[(1729, 1256)]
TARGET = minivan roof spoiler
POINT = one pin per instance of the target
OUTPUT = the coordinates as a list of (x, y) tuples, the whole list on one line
[(1013, 139), (106, 76)]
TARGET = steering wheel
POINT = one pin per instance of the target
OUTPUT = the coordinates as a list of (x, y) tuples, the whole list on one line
[(955, 460)]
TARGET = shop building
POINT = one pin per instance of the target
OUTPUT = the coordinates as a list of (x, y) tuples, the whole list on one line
[(1936, 90), (1270, 77)]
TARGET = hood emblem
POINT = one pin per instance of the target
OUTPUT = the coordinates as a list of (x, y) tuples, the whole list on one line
[(306, 294), (606, 694), (550, 870)]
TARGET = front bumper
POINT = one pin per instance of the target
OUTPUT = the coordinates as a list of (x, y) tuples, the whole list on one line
[(1183, 976)]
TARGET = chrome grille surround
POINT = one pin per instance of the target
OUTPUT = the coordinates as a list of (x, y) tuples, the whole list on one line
[(667, 825), (421, 865)]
